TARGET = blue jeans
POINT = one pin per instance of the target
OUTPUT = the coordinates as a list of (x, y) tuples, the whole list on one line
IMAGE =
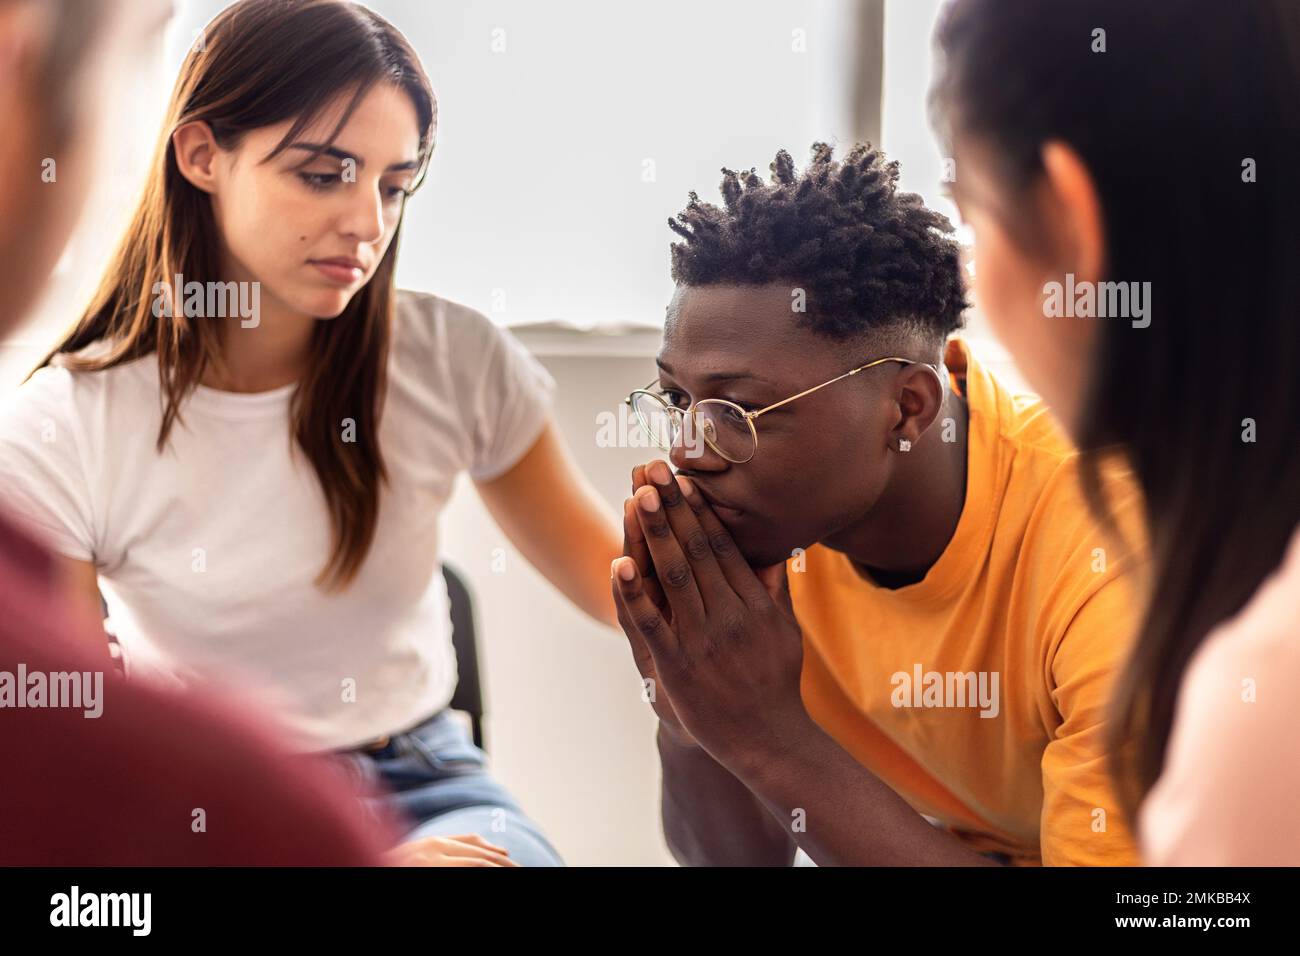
[(437, 781)]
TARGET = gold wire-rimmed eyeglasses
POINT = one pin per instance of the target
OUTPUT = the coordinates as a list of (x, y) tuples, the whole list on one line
[(726, 427)]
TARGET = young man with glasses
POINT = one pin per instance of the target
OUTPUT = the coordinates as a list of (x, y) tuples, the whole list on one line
[(871, 609)]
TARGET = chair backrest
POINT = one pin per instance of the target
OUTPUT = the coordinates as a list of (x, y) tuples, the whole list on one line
[(469, 688)]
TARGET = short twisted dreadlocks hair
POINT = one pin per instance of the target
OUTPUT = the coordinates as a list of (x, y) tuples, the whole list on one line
[(867, 256)]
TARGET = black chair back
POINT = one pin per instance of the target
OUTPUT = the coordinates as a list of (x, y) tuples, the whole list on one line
[(469, 688)]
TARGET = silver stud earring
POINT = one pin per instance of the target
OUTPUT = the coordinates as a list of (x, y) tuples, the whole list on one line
[(904, 445)]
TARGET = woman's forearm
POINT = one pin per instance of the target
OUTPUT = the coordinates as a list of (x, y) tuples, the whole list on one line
[(553, 515)]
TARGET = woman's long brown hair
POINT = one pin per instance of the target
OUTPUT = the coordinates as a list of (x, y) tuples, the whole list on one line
[(264, 62), (1172, 119)]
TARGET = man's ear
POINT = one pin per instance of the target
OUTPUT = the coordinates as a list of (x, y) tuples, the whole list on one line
[(1072, 212), (196, 150), (918, 393)]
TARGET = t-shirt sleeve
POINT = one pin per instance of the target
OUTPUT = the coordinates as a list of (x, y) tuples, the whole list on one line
[(504, 394), (43, 476), (1082, 824)]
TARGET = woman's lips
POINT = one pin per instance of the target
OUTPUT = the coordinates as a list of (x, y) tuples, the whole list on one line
[(340, 273)]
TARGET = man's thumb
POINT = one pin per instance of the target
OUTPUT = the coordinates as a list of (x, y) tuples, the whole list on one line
[(777, 584)]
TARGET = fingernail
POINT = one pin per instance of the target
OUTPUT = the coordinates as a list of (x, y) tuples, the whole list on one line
[(648, 499), (659, 473), (625, 569), (687, 486), (613, 568)]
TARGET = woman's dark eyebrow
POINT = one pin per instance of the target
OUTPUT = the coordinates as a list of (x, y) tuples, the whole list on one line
[(719, 376), (343, 155)]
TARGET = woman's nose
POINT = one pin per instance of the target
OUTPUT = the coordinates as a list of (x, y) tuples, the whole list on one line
[(365, 215)]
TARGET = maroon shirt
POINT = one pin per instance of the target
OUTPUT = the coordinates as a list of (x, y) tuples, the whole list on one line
[(122, 788)]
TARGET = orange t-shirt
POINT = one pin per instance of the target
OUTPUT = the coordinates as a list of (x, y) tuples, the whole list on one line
[(978, 693)]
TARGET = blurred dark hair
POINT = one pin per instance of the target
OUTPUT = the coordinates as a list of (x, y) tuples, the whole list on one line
[(1165, 120)]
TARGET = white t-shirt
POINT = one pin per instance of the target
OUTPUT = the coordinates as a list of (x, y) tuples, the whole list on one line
[(207, 552)]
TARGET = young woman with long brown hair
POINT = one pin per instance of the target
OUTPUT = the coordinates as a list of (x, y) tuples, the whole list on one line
[(246, 441)]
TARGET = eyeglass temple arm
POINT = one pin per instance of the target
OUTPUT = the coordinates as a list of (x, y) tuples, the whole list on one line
[(762, 411)]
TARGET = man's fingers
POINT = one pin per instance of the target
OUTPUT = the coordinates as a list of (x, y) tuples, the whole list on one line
[(672, 568), (641, 655), (738, 573), (691, 538), (776, 582), (637, 613), (635, 544), (635, 547)]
